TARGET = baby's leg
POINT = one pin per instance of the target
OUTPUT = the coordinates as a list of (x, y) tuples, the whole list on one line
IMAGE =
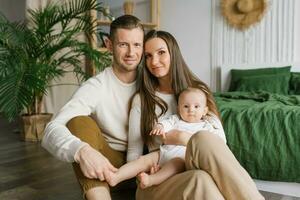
[(133, 168), (170, 168)]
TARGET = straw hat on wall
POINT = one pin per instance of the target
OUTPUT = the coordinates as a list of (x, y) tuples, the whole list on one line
[(243, 13)]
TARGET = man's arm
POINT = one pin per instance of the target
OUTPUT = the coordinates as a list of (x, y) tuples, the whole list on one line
[(58, 140)]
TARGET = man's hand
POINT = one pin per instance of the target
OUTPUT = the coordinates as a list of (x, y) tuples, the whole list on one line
[(93, 164), (176, 137)]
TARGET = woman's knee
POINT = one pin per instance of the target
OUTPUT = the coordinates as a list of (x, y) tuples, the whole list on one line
[(204, 141), (201, 148), (198, 176)]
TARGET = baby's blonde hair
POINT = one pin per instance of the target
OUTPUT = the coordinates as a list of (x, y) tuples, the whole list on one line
[(191, 89)]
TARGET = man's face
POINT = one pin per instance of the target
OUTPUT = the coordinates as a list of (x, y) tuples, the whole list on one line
[(127, 48)]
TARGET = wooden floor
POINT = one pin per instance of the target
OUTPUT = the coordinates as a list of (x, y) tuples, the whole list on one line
[(28, 172)]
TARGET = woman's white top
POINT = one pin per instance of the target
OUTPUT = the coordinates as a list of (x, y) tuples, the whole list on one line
[(135, 141)]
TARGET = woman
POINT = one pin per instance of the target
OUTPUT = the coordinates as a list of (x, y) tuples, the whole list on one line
[(213, 172)]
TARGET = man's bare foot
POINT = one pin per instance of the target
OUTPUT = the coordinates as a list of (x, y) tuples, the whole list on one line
[(144, 179)]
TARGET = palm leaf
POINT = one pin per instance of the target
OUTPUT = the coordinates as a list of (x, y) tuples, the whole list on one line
[(33, 54)]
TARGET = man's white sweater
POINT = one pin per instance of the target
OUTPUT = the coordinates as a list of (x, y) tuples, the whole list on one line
[(106, 99)]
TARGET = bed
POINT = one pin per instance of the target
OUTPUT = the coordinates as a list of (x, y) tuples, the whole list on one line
[(260, 110)]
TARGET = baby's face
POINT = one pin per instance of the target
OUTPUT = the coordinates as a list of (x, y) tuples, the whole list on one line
[(192, 106)]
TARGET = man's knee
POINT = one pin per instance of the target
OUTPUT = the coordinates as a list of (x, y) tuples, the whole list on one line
[(80, 121), (82, 124), (76, 120), (87, 130)]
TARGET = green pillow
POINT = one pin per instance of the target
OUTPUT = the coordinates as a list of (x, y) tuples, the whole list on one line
[(295, 83), (237, 74), (274, 83)]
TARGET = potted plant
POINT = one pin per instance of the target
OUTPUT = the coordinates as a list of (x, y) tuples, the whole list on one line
[(44, 48)]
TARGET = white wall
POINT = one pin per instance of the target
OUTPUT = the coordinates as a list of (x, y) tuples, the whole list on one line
[(190, 23)]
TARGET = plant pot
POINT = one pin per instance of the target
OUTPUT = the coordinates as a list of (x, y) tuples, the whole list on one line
[(34, 126)]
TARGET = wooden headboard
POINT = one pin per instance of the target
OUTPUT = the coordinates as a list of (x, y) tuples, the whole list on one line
[(225, 71)]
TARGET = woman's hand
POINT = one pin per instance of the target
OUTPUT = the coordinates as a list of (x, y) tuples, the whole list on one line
[(176, 137)]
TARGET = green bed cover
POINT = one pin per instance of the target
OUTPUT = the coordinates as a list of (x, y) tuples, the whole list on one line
[(263, 132)]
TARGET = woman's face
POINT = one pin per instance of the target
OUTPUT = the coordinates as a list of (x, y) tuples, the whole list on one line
[(157, 57)]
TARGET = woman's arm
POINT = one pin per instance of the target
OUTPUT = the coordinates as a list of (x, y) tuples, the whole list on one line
[(217, 127), (177, 137), (135, 140)]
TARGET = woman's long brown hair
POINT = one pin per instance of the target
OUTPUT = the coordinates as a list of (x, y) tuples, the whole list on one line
[(181, 78)]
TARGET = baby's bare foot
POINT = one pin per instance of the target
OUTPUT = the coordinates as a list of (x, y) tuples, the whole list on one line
[(144, 179), (112, 180)]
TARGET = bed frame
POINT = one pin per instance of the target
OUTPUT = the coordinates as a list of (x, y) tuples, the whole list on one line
[(286, 188)]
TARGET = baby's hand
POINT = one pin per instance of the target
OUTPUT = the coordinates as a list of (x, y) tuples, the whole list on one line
[(158, 129), (155, 168)]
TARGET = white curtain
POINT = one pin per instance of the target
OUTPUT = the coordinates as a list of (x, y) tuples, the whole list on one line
[(269, 41)]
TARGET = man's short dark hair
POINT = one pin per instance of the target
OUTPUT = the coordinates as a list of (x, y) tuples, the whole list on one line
[(125, 22)]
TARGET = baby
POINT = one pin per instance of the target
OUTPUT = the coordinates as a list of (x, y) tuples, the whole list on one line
[(193, 117)]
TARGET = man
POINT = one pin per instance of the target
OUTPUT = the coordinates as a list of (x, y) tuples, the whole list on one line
[(105, 98)]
